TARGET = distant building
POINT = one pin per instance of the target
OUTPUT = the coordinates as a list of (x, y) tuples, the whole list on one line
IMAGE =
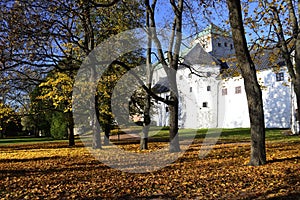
[(214, 96)]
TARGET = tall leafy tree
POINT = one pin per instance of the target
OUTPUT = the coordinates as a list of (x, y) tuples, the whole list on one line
[(41, 35), (57, 90)]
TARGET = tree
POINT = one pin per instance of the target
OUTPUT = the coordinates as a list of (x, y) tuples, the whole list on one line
[(149, 73), (59, 34), (170, 62), (283, 33), (104, 96), (40, 111), (253, 91), (59, 126), (6, 115), (115, 24), (57, 90)]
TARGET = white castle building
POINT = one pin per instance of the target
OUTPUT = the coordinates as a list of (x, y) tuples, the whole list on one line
[(214, 95)]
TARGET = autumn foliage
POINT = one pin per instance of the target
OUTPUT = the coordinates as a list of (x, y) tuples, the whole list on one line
[(52, 171)]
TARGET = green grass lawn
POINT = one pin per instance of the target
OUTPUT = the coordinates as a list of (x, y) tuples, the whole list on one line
[(243, 135), (226, 135), (14, 140)]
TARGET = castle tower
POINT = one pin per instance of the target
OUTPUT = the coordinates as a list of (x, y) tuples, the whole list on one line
[(216, 41)]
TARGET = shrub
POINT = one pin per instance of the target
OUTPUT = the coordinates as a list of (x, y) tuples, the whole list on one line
[(59, 126)]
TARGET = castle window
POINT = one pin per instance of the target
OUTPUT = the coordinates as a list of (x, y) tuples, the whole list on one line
[(167, 109), (224, 91), (280, 76), (208, 74), (219, 44), (208, 88), (225, 44), (180, 77), (191, 89), (238, 90), (204, 105), (231, 46)]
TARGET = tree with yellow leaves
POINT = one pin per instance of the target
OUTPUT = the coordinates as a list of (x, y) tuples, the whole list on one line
[(276, 26), (57, 91)]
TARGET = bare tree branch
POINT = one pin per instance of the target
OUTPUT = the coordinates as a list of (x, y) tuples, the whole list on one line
[(104, 5)]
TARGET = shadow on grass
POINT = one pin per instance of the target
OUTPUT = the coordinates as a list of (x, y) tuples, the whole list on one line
[(227, 135), (295, 196), (90, 166), (29, 159), (137, 141), (283, 159), (130, 197)]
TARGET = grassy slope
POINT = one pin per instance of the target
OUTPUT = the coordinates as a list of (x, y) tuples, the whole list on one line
[(227, 135), (231, 135)]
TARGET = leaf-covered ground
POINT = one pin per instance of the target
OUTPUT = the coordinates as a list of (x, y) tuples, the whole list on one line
[(54, 171)]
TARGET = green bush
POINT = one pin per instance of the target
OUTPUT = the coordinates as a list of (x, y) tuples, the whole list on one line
[(59, 127)]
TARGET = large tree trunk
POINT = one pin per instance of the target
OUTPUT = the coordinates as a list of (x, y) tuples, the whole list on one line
[(174, 138), (146, 123), (173, 57), (71, 128), (107, 128), (147, 117), (296, 84), (96, 143), (1, 133), (253, 91), (296, 80), (173, 109), (144, 138), (297, 92), (107, 119)]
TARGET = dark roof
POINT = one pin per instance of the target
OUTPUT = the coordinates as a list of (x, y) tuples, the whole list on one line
[(261, 60), (267, 59), (197, 55), (161, 86)]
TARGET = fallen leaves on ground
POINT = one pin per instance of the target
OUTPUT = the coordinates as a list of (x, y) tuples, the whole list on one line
[(55, 171)]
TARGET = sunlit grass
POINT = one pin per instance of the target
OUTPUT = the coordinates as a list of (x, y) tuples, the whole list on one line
[(160, 133)]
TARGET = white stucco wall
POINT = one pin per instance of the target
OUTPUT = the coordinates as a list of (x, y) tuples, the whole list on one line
[(233, 109), (226, 48), (193, 93), (276, 98)]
